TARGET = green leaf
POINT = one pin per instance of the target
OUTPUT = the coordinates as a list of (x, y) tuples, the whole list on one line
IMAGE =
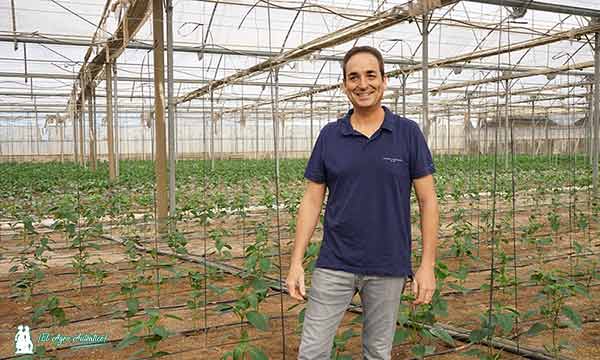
[(505, 321), (139, 326), (536, 329), (477, 335), (346, 335), (132, 306), (127, 340), (253, 301), (265, 264), (573, 316), (238, 353), (421, 350), (173, 317), (223, 308), (400, 336), (258, 320), (152, 312), (259, 284), (160, 331), (301, 315), (257, 354), (442, 335)]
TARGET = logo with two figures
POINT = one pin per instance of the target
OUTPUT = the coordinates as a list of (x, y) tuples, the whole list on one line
[(23, 344)]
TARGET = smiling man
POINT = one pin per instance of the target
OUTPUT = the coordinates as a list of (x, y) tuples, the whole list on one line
[(368, 160)]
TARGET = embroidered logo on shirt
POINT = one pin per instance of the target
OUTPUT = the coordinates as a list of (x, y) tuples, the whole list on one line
[(393, 160)]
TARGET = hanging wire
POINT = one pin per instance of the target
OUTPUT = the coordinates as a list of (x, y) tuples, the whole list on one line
[(572, 188), (205, 187), (479, 152), (493, 216), (244, 171), (155, 203), (513, 195)]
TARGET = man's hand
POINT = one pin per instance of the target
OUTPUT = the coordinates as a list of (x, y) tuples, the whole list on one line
[(423, 285), (295, 282)]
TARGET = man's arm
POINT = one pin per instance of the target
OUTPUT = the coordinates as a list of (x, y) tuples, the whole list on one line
[(424, 280), (307, 219)]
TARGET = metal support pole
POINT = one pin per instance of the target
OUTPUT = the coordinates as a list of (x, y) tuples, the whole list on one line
[(30, 147), (596, 113), (116, 130), (14, 23), (143, 140), (506, 121), (62, 141), (160, 164), (95, 126), (425, 75), (212, 130), (37, 128), (171, 113), (485, 134), (546, 131), (257, 132), (91, 130), (533, 128), (73, 114), (588, 125), (81, 122), (221, 135), (312, 139), (448, 132), (112, 174), (404, 78), (467, 125)]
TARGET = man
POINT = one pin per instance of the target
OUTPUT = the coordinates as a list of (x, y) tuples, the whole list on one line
[(368, 160)]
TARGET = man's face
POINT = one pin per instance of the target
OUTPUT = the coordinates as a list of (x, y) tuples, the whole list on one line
[(364, 84)]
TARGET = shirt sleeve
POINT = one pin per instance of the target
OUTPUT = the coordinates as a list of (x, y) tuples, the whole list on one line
[(315, 168), (421, 162)]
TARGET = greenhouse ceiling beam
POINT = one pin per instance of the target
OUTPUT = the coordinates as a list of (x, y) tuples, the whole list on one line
[(527, 91), (136, 16), (260, 53), (511, 76), (565, 35), (542, 6), (137, 108), (464, 58), (372, 24), (143, 79)]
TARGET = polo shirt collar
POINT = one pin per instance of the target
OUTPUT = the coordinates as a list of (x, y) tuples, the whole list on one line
[(387, 124)]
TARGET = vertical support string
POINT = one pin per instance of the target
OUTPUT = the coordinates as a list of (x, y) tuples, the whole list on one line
[(275, 100)]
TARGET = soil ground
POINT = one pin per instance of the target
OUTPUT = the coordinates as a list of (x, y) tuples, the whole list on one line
[(95, 307)]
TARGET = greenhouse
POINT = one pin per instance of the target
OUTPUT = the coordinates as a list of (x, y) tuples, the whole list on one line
[(157, 160)]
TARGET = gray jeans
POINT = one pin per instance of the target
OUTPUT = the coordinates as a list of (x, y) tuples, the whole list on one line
[(328, 299)]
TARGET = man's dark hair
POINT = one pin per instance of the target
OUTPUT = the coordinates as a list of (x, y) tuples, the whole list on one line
[(363, 49)]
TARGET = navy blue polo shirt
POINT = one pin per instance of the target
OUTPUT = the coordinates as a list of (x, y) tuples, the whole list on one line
[(367, 226)]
